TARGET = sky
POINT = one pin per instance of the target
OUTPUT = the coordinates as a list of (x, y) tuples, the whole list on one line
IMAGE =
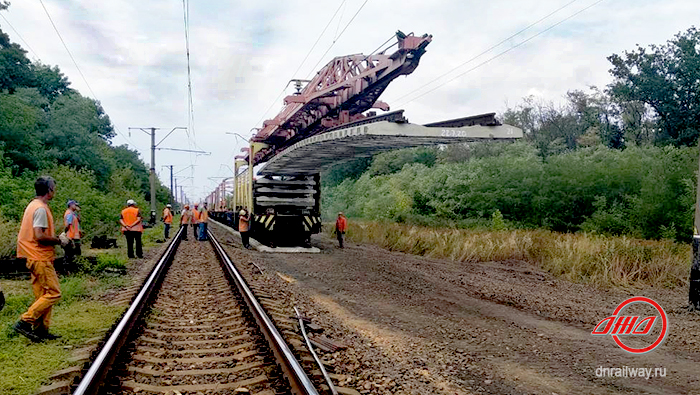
[(243, 54)]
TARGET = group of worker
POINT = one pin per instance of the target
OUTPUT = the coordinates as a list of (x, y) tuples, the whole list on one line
[(36, 240), (197, 218)]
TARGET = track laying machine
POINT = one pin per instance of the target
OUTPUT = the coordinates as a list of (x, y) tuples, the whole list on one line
[(326, 122)]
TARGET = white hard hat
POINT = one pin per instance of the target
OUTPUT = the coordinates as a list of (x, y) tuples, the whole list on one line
[(167, 205), (242, 212), (130, 202)]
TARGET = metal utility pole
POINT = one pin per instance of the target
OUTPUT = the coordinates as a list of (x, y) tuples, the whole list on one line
[(172, 193), (152, 175), (152, 132), (694, 290)]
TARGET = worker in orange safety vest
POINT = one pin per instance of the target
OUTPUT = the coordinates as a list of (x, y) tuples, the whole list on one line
[(132, 227), (71, 221), (195, 221), (167, 220), (185, 220), (244, 227), (341, 226), (35, 243)]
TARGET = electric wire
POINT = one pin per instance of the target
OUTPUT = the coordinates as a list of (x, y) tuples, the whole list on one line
[(489, 49), (94, 96), (67, 50), (505, 51), (20, 36), (336, 39), (342, 14), (190, 108)]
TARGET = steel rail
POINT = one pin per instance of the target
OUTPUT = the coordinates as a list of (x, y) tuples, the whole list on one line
[(299, 382), (93, 379)]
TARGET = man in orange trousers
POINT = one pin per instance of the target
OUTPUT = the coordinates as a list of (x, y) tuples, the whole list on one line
[(35, 242)]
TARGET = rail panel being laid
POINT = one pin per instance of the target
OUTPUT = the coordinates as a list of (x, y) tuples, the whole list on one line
[(317, 153)]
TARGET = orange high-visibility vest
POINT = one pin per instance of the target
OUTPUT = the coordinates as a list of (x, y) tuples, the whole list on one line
[(27, 245), (74, 226), (186, 217), (204, 215), (341, 224), (167, 216), (195, 216), (243, 223), (132, 218)]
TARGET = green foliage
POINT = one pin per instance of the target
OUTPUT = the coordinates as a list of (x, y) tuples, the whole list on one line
[(348, 170), (497, 222), (80, 315), (644, 192), (112, 261), (393, 161), (667, 79)]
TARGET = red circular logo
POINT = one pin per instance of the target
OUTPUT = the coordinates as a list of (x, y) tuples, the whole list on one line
[(617, 325)]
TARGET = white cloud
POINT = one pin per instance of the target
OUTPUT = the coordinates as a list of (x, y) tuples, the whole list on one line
[(243, 53)]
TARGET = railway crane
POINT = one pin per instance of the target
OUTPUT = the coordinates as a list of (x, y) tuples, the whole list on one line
[(325, 122)]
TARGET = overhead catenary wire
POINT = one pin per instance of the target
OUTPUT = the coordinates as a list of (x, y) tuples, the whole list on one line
[(505, 51), (336, 39), (190, 105), (67, 50), (94, 96), (20, 36), (489, 49)]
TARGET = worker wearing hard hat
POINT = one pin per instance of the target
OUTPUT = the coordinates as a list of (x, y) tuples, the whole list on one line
[(185, 220), (132, 227), (167, 220), (195, 221), (244, 227)]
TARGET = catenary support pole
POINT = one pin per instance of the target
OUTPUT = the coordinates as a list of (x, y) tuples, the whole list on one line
[(172, 191), (153, 172)]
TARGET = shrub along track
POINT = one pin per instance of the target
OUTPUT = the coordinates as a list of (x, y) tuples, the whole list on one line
[(201, 337)]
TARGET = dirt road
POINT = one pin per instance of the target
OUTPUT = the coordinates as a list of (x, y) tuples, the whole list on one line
[(420, 325)]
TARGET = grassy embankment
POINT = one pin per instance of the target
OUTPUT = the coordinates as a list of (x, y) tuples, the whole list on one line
[(578, 257), (80, 315)]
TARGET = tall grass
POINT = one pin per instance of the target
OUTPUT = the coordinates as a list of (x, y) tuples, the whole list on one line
[(580, 257)]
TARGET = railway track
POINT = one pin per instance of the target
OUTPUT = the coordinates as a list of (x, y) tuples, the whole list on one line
[(195, 329)]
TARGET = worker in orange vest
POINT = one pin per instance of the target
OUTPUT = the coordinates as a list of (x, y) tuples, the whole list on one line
[(35, 242), (71, 221), (167, 220), (185, 220), (244, 227), (341, 226), (203, 222), (195, 221), (132, 227)]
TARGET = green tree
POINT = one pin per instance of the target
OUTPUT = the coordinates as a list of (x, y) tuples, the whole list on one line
[(667, 79), (14, 65), (19, 122)]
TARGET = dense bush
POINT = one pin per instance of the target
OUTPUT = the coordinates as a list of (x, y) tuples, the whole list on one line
[(644, 192), (100, 209)]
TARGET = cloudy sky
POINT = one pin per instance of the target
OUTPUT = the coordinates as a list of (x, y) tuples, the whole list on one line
[(243, 53)]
